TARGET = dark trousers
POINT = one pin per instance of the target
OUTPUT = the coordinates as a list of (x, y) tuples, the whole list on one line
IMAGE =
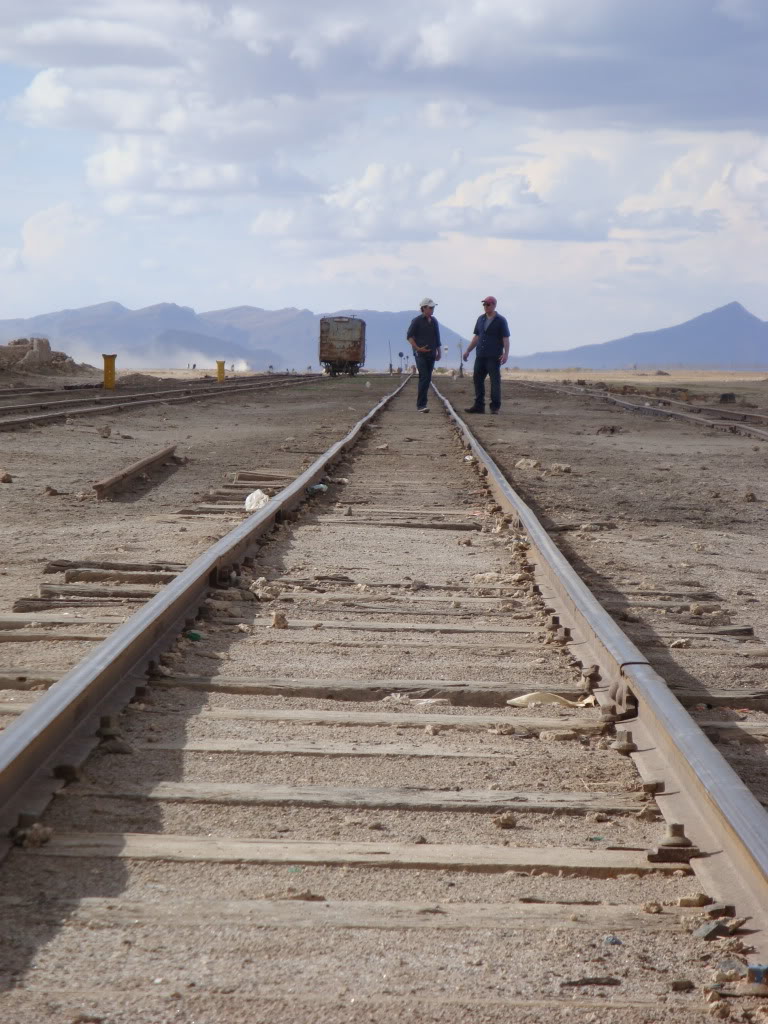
[(425, 365), (487, 366)]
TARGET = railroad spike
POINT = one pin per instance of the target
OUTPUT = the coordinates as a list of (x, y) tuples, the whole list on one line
[(624, 743)]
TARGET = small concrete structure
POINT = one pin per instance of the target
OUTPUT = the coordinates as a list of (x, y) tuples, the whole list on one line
[(34, 355)]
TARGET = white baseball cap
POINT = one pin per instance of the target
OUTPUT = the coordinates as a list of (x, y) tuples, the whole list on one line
[(427, 302)]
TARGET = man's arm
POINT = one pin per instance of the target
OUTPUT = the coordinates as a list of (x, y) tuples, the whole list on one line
[(470, 346), (505, 354)]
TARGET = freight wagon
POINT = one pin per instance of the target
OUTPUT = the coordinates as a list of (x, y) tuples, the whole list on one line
[(342, 344)]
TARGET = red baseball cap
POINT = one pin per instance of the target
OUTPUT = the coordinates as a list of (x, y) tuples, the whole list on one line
[(489, 298)]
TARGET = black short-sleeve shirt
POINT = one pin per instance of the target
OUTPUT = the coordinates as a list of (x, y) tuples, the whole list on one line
[(490, 337), (425, 332)]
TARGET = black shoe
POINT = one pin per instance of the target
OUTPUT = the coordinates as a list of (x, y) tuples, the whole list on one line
[(494, 412), (475, 409), (423, 409)]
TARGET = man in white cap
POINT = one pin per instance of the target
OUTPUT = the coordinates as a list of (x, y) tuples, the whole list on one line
[(491, 339), (424, 338)]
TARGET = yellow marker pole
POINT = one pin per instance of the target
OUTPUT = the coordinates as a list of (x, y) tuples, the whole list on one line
[(220, 363), (109, 371)]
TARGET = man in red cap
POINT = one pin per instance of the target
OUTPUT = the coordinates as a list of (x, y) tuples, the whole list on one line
[(491, 339)]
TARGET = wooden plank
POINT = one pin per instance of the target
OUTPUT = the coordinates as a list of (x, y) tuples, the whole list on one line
[(206, 510), (481, 801), (28, 679), (397, 600), (405, 720), (34, 604), (32, 619), (397, 627), (392, 523), (89, 590), (109, 483), (285, 912), (242, 746), (457, 691), (117, 576), (454, 857), (250, 475), (62, 564), (9, 636)]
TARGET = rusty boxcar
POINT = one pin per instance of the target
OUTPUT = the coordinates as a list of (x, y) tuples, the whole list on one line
[(342, 344)]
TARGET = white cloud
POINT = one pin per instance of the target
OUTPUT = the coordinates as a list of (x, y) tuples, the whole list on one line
[(586, 145), (50, 235)]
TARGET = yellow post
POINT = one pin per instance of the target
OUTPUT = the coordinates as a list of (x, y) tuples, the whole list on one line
[(220, 369), (109, 371)]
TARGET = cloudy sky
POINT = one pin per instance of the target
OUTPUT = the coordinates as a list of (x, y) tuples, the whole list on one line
[(599, 165)]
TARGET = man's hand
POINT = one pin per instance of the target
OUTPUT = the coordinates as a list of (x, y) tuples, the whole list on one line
[(437, 355), (465, 357), (503, 358)]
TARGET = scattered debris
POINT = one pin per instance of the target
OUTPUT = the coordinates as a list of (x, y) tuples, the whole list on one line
[(698, 608), (6, 478), (750, 496), (527, 464), (541, 697), (305, 894), (433, 730), (49, 491), (423, 702), (317, 489), (698, 899), (31, 836), (683, 641), (560, 467), (681, 985), (279, 621), (105, 431), (612, 940), (256, 499), (591, 981), (557, 735), (505, 820), (382, 447), (653, 908)]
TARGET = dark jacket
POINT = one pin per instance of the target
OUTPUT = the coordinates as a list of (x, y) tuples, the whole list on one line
[(491, 338), (425, 332)]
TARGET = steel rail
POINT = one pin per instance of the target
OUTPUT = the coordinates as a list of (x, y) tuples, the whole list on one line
[(34, 740), (50, 398), (121, 403), (740, 820), (724, 425)]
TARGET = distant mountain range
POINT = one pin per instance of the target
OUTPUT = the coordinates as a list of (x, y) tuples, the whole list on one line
[(167, 335), (728, 338)]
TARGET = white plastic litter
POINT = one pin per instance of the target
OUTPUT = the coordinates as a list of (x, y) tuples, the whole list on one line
[(256, 499), (541, 697)]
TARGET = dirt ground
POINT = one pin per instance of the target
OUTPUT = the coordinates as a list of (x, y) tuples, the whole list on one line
[(284, 429), (668, 507)]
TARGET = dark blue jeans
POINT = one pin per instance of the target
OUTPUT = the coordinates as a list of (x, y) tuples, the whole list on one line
[(425, 365), (487, 366)]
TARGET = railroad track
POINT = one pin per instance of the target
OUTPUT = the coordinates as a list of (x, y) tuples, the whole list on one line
[(290, 786), (42, 411), (728, 418)]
